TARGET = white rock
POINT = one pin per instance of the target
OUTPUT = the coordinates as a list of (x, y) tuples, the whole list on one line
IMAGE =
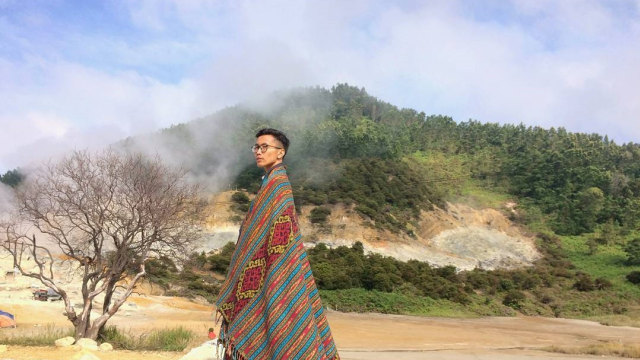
[(86, 343), (106, 347), (3, 348), (85, 355), (202, 352), (66, 341)]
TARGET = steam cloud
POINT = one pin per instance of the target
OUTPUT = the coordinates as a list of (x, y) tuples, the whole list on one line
[(547, 63)]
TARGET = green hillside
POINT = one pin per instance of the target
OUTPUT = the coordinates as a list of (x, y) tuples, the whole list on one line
[(579, 192)]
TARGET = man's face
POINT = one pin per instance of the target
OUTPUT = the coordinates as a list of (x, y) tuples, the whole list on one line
[(273, 153)]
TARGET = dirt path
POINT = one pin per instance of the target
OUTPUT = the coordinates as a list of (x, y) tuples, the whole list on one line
[(397, 332), (513, 354), (358, 336)]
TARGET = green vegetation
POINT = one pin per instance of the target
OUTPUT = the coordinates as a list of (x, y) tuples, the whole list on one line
[(196, 278), (605, 349), (42, 336), (220, 262), (580, 193), (633, 277), (319, 215), (240, 202), (552, 287), (361, 300), (633, 252), (12, 178), (173, 339)]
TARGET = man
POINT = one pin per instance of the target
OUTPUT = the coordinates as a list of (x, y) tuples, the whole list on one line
[(269, 302)]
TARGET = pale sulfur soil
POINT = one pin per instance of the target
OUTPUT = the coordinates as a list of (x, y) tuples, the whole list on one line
[(358, 336), (441, 236), (458, 235)]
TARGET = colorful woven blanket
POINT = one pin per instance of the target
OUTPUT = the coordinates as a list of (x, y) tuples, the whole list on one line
[(269, 302)]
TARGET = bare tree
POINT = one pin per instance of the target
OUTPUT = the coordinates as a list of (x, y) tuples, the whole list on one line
[(104, 212)]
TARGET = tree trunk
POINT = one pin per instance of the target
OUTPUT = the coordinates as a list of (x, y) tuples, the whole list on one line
[(93, 331), (107, 300), (81, 328), (83, 324)]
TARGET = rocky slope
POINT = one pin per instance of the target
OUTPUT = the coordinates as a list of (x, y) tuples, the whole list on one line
[(458, 235)]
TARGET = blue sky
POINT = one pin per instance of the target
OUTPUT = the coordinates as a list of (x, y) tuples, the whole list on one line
[(79, 74)]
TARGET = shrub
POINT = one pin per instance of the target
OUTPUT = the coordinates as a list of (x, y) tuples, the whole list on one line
[(115, 337), (240, 202), (240, 197), (161, 271), (174, 339), (220, 262), (584, 283), (319, 215), (506, 284), (634, 277), (514, 299), (633, 252), (602, 284)]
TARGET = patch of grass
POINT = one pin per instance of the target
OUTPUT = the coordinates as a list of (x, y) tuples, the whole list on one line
[(607, 262), (629, 318), (175, 339), (605, 349), (362, 301), (40, 336), (617, 305), (171, 339), (118, 338), (480, 196)]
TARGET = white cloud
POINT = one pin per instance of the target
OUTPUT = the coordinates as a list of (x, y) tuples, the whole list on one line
[(59, 105), (542, 62)]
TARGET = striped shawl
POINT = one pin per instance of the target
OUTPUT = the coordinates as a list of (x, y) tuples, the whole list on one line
[(269, 302)]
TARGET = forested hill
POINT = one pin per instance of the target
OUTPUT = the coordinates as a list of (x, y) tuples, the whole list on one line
[(580, 193), (350, 147)]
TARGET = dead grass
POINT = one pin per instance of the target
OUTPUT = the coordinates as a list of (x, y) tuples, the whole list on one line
[(605, 349), (36, 336), (630, 318)]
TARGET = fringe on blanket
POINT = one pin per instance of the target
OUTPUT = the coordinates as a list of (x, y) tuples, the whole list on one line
[(230, 351)]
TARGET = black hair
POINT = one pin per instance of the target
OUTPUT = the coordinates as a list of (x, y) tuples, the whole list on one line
[(279, 135)]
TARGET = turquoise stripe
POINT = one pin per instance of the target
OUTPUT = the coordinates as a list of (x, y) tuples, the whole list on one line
[(245, 234), (241, 242), (306, 346), (259, 350), (324, 331), (300, 293), (253, 330), (293, 331), (283, 286), (311, 338), (253, 248), (242, 239), (331, 348), (238, 320), (286, 311)]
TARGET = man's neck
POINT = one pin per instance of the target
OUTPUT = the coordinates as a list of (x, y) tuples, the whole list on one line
[(267, 171)]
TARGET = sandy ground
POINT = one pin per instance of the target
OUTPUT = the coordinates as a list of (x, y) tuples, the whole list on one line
[(358, 336)]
